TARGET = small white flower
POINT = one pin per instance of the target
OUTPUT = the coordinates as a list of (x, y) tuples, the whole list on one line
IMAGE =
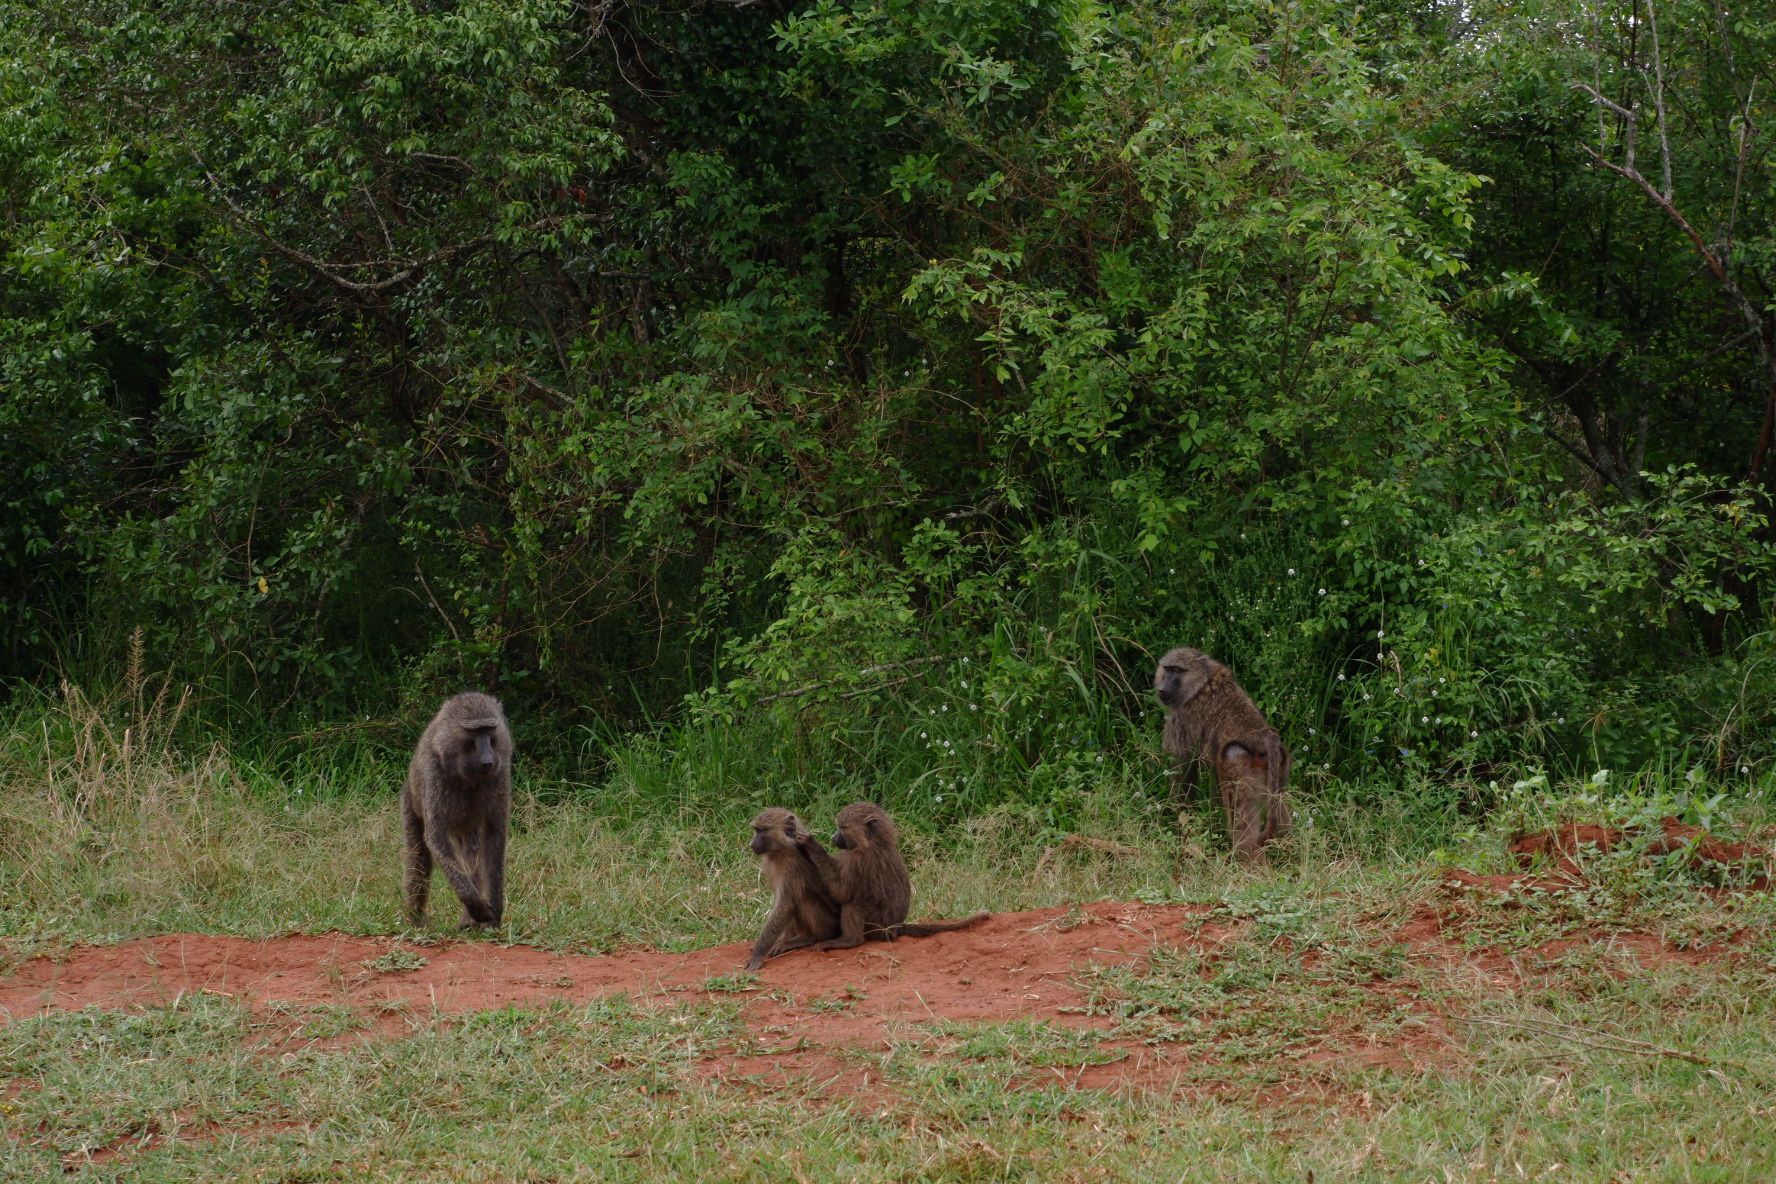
[(1291, 571), (1379, 634), (1441, 679), (946, 707), (1365, 696), (1322, 591), (922, 735), (971, 707), (1473, 735), (965, 684), (1347, 521), (1341, 678), (1310, 732), (1326, 765), (1424, 719)]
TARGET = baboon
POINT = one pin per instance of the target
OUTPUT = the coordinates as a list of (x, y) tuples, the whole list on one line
[(869, 880), (454, 808), (1210, 720), (802, 910)]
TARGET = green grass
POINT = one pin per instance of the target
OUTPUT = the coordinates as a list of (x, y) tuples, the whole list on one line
[(1550, 1054), (609, 1091)]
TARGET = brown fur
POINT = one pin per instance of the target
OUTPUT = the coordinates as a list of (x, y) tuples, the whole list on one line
[(1210, 720), (802, 910), (869, 880), (454, 809)]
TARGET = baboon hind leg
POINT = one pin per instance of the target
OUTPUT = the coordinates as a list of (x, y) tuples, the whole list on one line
[(417, 861), (459, 859), (1244, 796), (493, 869), (1279, 820), (851, 930)]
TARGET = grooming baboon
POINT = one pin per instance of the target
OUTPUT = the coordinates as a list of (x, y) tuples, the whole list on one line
[(802, 910), (454, 808), (1209, 719), (869, 880)]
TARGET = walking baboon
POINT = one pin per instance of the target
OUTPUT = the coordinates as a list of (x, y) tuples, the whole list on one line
[(802, 910), (454, 807), (869, 880), (1210, 720)]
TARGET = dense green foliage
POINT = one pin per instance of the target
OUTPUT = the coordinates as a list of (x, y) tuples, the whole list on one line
[(843, 371)]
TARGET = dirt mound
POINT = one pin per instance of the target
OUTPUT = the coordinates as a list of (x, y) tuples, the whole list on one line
[(1559, 855)]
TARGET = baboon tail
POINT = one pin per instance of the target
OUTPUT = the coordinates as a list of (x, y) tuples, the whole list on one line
[(930, 927)]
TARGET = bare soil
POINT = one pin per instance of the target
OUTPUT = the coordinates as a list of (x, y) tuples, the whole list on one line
[(807, 1013)]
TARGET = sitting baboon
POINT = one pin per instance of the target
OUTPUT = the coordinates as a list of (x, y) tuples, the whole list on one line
[(454, 808), (802, 910), (869, 880), (1210, 720)]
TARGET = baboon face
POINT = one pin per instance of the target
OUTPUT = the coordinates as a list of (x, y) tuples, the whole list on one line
[(480, 749), (1180, 675), (862, 825), (775, 829)]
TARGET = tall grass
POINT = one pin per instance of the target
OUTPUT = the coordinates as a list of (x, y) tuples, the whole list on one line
[(111, 826), (119, 817)]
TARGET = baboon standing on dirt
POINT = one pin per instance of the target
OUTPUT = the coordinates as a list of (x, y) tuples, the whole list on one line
[(454, 808), (1210, 720), (869, 880), (802, 910)]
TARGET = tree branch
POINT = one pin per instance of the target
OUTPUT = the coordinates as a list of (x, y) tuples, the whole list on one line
[(1742, 304), (330, 271)]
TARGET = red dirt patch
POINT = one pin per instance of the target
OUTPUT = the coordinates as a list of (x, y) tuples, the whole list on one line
[(1011, 965), (811, 1010), (806, 1020)]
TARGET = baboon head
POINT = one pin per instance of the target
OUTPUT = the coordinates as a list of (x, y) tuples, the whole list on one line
[(775, 830), (474, 744), (863, 825), (1181, 674)]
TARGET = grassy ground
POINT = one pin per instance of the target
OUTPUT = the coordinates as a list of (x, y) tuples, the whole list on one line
[(1544, 1047)]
